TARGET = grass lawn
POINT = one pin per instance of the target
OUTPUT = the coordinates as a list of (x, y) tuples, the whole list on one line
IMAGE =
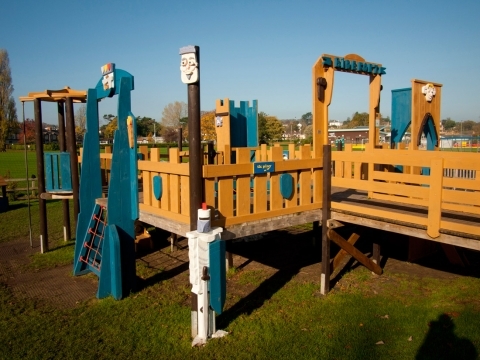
[(393, 316)]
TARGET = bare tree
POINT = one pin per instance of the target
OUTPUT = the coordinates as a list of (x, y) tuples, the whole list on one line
[(8, 111), (173, 113), (81, 120)]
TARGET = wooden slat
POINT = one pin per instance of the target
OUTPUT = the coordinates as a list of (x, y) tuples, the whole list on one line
[(337, 260), (305, 178), (260, 193), (165, 201), (292, 165), (147, 188), (461, 183), (243, 185), (154, 157), (276, 199), (401, 178), (348, 164), (211, 171), (382, 214), (185, 195), (461, 197), (293, 200), (400, 199), (174, 190), (164, 167), (291, 151), (460, 227), (225, 197), (462, 208), (210, 192), (435, 198), (381, 187)]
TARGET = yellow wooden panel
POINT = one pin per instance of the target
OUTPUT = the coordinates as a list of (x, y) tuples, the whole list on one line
[(174, 155), (461, 197), (155, 154), (387, 188), (402, 178), (292, 165), (225, 197), (461, 183), (164, 167), (185, 195), (210, 171), (147, 188), (380, 214), (263, 152), (471, 209), (259, 193), (143, 149), (357, 171), (435, 198), (223, 132), (276, 199), (305, 178), (165, 201), (210, 192), (348, 164), (461, 228), (400, 199), (291, 151), (174, 193), (243, 185), (317, 178), (227, 153)]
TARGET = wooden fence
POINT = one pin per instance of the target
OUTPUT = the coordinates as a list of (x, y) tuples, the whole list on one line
[(436, 192)]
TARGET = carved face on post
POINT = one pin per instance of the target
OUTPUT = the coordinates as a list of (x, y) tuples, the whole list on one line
[(429, 91), (189, 65), (108, 71)]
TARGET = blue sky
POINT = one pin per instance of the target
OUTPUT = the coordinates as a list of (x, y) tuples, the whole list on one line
[(249, 50)]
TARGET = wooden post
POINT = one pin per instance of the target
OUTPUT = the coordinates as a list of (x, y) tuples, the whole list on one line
[(72, 149), (41, 175), (63, 147), (326, 213), (194, 144)]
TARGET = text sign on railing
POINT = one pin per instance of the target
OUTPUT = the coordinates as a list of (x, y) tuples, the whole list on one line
[(263, 167)]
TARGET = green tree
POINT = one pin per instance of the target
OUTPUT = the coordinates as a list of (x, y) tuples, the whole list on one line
[(81, 120), (8, 112), (307, 118), (147, 125), (110, 128), (448, 124), (358, 119), (207, 126), (262, 128)]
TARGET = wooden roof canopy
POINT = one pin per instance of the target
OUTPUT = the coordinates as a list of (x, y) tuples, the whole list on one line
[(78, 96)]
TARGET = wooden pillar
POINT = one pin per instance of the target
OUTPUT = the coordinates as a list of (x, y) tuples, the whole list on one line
[(72, 149), (63, 147), (194, 144), (326, 213), (41, 175)]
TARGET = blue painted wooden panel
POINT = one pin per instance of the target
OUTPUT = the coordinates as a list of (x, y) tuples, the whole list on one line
[(218, 281), (244, 124), (401, 114), (48, 171), (65, 172), (286, 185), (157, 187), (263, 167)]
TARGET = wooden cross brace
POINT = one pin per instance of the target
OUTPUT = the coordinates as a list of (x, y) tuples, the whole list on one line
[(348, 247)]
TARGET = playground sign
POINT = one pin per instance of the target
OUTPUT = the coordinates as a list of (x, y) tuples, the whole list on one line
[(263, 167), (350, 65)]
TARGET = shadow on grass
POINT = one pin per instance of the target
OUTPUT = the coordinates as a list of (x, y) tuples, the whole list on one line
[(442, 343)]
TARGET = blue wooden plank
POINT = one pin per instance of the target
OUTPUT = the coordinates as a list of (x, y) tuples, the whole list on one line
[(218, 282), (286, 185), (65, 172), (157, 187), (55, 176), (252, 124), (48, 172), (401, 114)]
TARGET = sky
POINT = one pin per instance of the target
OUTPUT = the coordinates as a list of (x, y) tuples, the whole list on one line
[(249, 50)]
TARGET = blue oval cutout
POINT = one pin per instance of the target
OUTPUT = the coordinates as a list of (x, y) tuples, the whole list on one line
[(286, 185), (157, 187)]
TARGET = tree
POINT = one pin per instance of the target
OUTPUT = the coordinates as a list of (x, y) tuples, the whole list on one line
[(207, 126), (308, 132), (448, 124), (262, 128), (110, 128), (147, 125), (8, 111), (170, 134), (173, 113), (307, 118), (81, 120), (358, 119), (28, 132), (274, 128)]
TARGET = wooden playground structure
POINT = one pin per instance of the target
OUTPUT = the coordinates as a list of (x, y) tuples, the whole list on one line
[(252, 189)]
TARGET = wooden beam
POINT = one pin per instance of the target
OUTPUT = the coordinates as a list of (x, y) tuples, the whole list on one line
[(342, 253), (326, 214), (360, 257)]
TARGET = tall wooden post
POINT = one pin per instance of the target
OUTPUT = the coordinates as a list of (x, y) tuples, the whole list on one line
[(63, 147), (72, 149), (42, 203), (326, 212)]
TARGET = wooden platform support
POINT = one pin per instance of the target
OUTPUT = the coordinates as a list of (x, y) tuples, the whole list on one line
[(326, 213)]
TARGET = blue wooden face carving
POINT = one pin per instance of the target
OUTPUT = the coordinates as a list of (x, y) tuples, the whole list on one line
[(157, 187), (286, 185)]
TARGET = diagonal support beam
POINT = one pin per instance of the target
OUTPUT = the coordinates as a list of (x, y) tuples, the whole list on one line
[(343, 253), (352, 250)]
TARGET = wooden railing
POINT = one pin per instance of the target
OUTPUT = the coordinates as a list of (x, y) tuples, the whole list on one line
[(174, 203), (240, 195), (435, 192)]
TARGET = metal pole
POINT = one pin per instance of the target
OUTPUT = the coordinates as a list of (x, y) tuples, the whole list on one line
[(63, 147), (26, 175), (42, 204), (72, 149)]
